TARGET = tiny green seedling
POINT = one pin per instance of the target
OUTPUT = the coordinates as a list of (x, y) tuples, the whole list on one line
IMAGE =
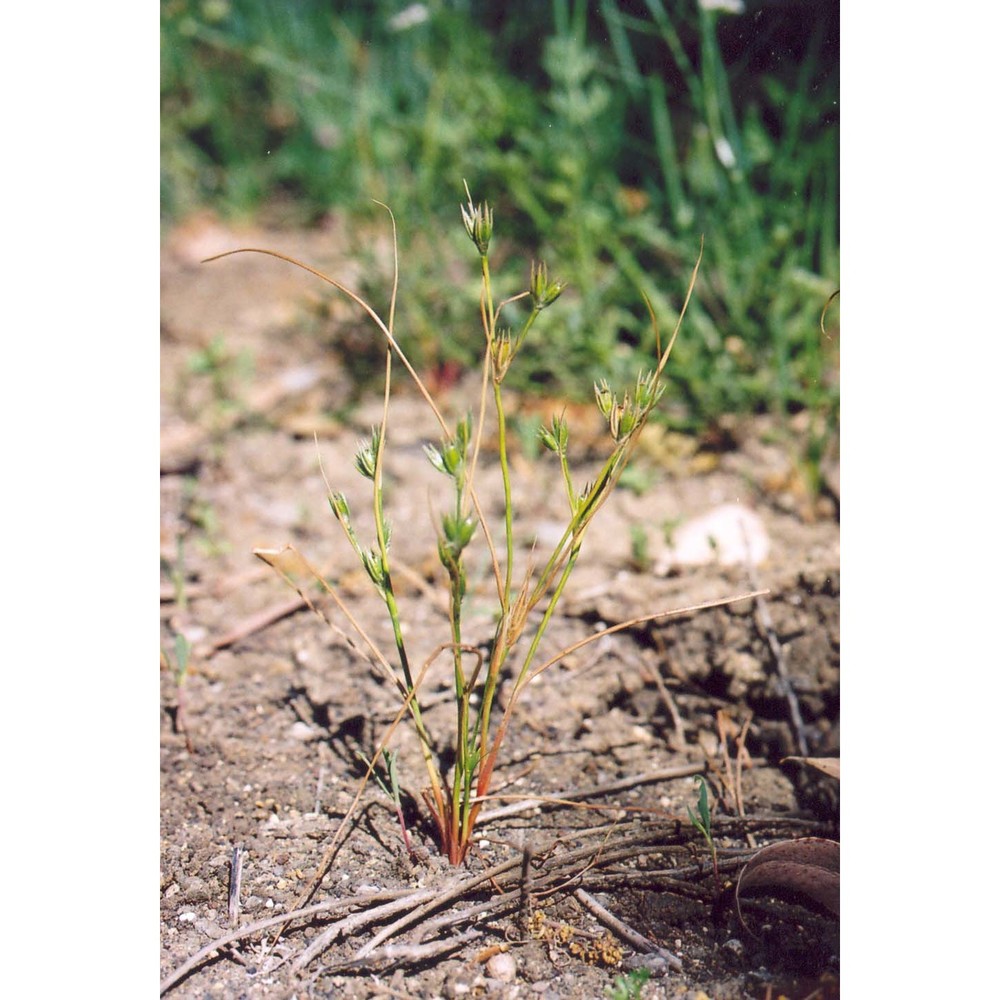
[(639, 548), (202, 516), (638, 479), (222, 368), (182, 654), (392, 789), (703, 824), (175, 570), (670, 526), (629, 987), (179, 668)]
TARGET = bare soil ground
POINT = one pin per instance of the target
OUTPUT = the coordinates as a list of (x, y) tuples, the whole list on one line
[(261, 745)]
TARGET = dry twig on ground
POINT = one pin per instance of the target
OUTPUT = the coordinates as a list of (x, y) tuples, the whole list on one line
[(595, 863)]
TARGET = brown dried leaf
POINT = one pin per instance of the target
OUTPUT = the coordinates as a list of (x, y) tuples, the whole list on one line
[(809, 866), (828, 765)]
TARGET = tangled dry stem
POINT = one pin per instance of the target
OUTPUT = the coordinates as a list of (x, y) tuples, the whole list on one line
[(599, 860)]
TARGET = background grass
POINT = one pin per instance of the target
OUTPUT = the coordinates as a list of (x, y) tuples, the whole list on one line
[(609, 136)]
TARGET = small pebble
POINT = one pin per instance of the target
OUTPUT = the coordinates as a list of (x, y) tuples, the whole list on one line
[(301, 731), (209, 928), (502, 967)]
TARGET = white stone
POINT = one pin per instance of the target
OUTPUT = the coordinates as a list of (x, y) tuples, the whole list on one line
[(502, 967), (727, 535)]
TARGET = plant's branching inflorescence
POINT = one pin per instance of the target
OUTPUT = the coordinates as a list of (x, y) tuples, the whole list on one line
[(454, 797)]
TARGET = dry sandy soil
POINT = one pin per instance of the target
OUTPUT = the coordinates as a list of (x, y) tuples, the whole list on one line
[(262, 744)]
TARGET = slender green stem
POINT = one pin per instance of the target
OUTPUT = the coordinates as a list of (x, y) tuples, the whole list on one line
[(549, 611), (501, 638), (491, 321), (508, 506), (528, 324), (388, 594), (567, 479), (489, 758), (577, 526), (472, 743), (462, 765)]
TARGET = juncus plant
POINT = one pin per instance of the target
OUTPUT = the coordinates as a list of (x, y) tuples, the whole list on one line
[(454, 796)]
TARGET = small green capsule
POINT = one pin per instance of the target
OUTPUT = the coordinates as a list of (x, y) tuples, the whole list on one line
[(543, 291), (436, 458), (478, 220), (605, 398), (338, 504)]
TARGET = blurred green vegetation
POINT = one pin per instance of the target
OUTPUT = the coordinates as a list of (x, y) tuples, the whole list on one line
[(609, 136)]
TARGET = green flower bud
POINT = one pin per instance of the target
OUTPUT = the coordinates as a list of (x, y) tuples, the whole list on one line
[(577, 503), (463, 432), (478, 221), (614, 420), (450, 457), (548, 439), (647, 391), (453, 458), (501, 353), (458, 531), (338, 504), (557, 438), (374, 567), (436, 458), (627, 421), (543, 291), (365, 459), (605, 398)]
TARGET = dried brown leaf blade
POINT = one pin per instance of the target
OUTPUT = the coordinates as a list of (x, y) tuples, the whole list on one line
[(828, 765), (809, 866)]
